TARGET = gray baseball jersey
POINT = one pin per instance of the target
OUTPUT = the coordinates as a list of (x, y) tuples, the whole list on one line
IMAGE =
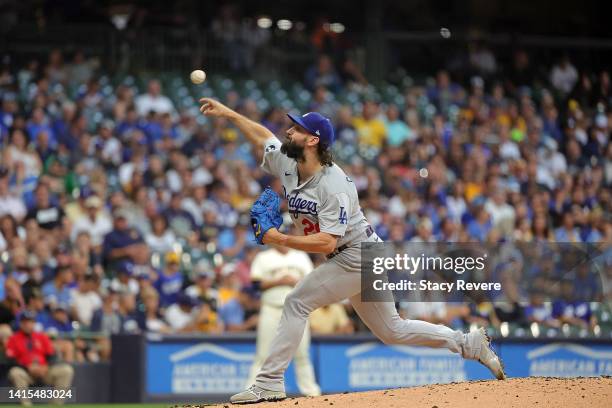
[(327, 202)]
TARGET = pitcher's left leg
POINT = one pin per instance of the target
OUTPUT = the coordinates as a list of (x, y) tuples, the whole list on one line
[(384, 321)]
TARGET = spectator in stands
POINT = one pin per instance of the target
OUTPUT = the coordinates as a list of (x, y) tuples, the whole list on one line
[(345, 131), (56, 70), (128, 313), (371, 131), (481, 225), (35, 305), (330, 319), (81, 68), (124, 281), (502, 214), (10, 203), (107, 147), (150, 319), (40, 124), (182, 314), (123, 243), (86, 299), (5, 333), (153, 101), (322, 102), (10, 232), (444, 93), (539, 311), (185, 317), (180, 220), (567, 232), (95, 222), (240, 313), (203, 289), (397, 130), (20, 267), (21, 159), (106, 319), (161, 239), (13, 302), (60, 324), (574, 312), (521, 72), (323, 73), (424, 231), (59, 290), (482, 59), (35, 359), (170, 282), (229, 284), (564, 76), (48, 215), (482, 310)]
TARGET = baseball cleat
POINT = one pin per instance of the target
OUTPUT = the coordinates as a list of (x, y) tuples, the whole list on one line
[(488, 357), (255, 394)]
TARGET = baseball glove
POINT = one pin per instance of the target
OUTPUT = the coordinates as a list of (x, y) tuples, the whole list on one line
[(265, 214)]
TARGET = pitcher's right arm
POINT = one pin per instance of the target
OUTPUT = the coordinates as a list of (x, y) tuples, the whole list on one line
[(255, 133)]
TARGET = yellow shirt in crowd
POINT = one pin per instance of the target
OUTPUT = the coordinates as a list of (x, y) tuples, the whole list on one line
[(370, 132), (328, 319)]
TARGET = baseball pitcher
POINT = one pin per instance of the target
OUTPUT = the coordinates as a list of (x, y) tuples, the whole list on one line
[(323, 204)]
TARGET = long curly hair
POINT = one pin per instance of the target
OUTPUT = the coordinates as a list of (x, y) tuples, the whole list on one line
[(325, 155)]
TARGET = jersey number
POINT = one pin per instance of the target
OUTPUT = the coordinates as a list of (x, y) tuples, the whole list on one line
[(343, 217), (310, 227)]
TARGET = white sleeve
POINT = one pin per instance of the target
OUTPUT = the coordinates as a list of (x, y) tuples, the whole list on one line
[(306, 263), (274, 162), (257, 268), (334, 214)]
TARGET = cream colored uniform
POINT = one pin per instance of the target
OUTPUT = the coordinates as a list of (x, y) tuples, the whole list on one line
[(272, 265)]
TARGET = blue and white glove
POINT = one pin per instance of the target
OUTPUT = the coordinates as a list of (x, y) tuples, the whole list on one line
[(265, 214)]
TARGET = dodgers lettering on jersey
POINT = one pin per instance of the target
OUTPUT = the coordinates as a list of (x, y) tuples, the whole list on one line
[(327, 202)]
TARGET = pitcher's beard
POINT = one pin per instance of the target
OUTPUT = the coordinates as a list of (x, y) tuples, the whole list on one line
[(292, 150)]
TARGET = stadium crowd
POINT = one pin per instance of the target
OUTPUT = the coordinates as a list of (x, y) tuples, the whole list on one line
[(127, 213)]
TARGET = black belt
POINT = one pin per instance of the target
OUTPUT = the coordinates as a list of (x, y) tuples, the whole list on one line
[(369, 231)]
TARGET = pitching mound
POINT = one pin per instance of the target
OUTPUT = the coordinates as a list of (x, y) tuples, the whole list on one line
[(516, 392)]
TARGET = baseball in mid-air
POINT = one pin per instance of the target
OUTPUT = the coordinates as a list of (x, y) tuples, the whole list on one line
[(198, 76), (445, 32)]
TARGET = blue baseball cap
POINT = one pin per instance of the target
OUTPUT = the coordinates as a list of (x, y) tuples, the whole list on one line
[(126, 267), (317, 124), (27, 315)]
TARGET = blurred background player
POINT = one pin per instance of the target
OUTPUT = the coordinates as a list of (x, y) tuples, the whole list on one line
[(277, 271)]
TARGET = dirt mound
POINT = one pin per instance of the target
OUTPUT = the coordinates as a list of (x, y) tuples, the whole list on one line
[(517, 392)]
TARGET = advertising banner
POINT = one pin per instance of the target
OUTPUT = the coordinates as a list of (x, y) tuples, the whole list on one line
[(372, 365), (557, 360), (215, 367), (202, 368)]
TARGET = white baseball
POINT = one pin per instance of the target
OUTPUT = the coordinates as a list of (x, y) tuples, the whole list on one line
[(198, 76)]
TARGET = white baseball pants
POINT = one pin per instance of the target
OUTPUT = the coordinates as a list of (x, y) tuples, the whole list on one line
[(335, 280)]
